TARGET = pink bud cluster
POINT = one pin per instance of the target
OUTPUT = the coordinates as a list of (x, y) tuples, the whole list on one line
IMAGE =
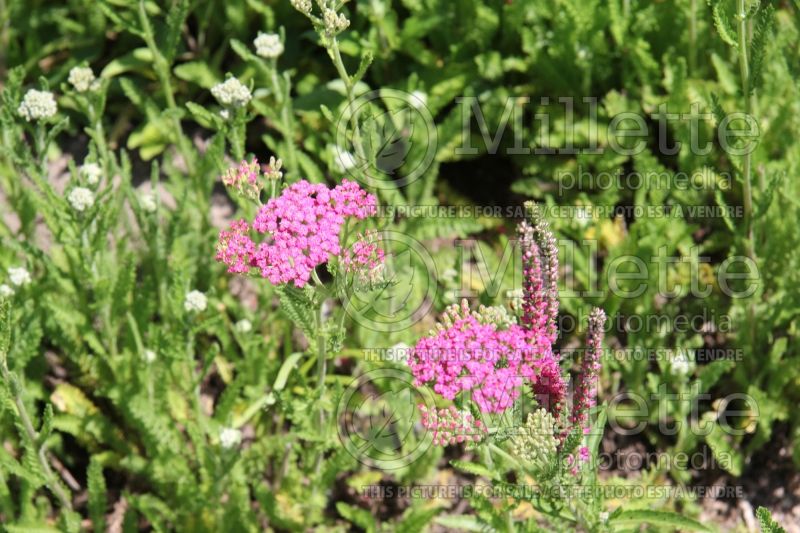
[(365, 259), (302, 228), (585, 394), (451, 426), (574, 461), (244, 178)]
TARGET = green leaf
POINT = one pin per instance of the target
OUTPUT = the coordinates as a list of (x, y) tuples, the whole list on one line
[(299, 309), (97, 494), (360, 517), (197, 72), (286, 368), (768, 525), (660, 518), (473, 468), (462, 523)]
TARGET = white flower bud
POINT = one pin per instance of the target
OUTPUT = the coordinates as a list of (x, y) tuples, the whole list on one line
[(148, 202), (37, 105), (6, 291), (19, 276), (419, 99), (244, 326), (303, 6), (231, 92), (230, 437), (91, 172), (268, 45), (82, 78), (195, 302), (81, 199), (149, 356), (344, 160), (273, 171), (334, 22)]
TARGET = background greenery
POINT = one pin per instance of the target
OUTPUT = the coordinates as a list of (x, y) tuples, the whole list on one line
[(137, 444)]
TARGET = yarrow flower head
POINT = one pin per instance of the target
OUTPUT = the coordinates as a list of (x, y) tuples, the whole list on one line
[(148, 202), (418, 99), (343, 159), (19, 276), (231, 92), (82, 78), (536, 442), (272, 170), (479, 352), (451, 426), (195, 302), (81, 199), (91, 172), (6, 291), (268, 45), (303, 6), (244, 179), (365, 260), (302, 228), (230, 437), (244, 326), (334, 22), (37, 105)]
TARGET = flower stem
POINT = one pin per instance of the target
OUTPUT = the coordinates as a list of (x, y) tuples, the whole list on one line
[(41, 451)]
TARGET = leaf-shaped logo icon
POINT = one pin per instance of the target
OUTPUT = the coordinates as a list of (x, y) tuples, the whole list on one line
[(394, 131)]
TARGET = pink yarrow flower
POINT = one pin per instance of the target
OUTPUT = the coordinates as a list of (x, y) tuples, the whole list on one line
[(451, 426), (472, 353), (302, 228)]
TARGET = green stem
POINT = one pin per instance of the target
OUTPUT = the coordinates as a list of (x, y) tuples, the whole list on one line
[(33, 436), (744, 69)]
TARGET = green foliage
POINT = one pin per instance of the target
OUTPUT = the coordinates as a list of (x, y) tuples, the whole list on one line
[(108, 376)]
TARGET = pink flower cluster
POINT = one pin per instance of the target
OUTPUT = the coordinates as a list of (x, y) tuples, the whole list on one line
[(365, 259), (302, 228), (244, 178), (451, 426), (490, 357), (477, 355)]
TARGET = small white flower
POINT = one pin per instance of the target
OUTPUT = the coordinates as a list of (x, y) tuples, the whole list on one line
[(344, 160), (582, 215), (6, 291), (81, 199), (334, 23), (225, 114), (419, 99), (19, 276), (230, 437), (37, 104), (244, 326), (195, 302), (91, 172), (268, 45), (449, 274), (303, 6), (603, 516), (148, 202), (681, 365), (398, 353), (149, 356), (231, 92), (82, 78)]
